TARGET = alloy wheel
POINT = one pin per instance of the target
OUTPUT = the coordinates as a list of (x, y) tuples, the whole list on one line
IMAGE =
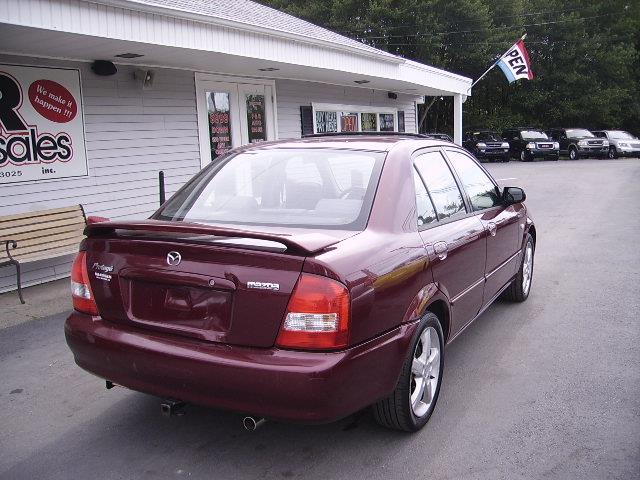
[(425, 371), (527, 269)]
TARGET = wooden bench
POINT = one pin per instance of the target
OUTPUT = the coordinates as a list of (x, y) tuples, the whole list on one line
[(33, 236)]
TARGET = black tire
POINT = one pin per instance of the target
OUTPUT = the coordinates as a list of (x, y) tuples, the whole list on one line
[(613, 153), (524, 157), (573, 153), (505, 159), (395, 411), (515, 292)]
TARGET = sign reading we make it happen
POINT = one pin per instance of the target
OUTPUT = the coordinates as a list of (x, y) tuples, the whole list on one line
[(41, 124)]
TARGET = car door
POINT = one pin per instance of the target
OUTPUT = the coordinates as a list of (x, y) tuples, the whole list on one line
[(503, 224), (456, 238)]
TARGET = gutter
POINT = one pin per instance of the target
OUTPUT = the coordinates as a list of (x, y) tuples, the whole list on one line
[(142, 6)]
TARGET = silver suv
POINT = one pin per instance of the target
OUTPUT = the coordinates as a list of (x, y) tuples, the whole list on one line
[(621, 143)]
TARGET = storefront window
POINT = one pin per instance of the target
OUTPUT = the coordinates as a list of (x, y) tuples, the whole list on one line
[(369, 122), (256, 118), (326, 122), (348, 122), (219, 123), (386, 122)]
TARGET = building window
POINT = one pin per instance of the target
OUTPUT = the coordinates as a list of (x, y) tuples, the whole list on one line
[(387, 122), (331, 118), (348, 122), (326, 122), (368, 121)]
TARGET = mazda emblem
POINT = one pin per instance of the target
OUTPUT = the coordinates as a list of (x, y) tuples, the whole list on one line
[(174, 258)]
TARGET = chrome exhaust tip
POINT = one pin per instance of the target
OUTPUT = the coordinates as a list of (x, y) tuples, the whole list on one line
[(250, 423), (170, 407)]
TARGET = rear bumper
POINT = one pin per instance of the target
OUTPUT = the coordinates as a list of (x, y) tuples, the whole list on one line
[(308, 387)]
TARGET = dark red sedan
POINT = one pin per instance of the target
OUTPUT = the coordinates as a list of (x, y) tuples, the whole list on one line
[(303, 280)]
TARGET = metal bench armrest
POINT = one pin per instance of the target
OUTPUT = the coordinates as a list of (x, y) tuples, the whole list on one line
[(13, 244)]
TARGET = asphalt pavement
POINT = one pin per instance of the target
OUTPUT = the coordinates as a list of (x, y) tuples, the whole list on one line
[(545, 389)]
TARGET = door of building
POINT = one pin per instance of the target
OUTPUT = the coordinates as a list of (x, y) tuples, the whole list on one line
[(233, 113)]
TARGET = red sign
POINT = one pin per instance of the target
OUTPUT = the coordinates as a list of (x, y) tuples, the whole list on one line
[(53, 101)]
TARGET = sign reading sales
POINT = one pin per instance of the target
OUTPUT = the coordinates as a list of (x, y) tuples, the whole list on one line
[(41, 124)]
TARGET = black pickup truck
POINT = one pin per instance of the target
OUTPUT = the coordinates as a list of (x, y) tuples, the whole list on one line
[(579, 142)]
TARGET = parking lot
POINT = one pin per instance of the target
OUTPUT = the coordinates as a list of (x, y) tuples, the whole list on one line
[(545, 389)]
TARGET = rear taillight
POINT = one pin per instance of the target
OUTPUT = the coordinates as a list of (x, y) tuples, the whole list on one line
[(317, 316), (83, 299)]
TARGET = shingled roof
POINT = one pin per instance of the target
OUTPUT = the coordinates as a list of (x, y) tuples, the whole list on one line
[(252, 13)]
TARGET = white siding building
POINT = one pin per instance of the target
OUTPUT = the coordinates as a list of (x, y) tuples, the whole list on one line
[(194, 78)]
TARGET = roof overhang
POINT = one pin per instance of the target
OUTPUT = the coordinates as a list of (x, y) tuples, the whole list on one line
[(85, 31)]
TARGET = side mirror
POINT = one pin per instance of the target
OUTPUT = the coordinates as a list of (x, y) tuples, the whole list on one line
[(512, 195)]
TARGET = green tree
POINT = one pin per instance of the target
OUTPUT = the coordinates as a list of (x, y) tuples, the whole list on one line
[(585, 54)]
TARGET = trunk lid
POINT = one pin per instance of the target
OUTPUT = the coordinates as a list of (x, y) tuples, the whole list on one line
[(229, 285)]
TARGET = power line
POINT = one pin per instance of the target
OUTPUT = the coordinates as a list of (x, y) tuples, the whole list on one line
[(382, 37), (535, 42), (531, 14)]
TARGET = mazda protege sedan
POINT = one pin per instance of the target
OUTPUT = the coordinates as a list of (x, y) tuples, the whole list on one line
[(303, 280)]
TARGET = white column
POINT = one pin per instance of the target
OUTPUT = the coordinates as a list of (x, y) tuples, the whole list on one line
[(457, 119)]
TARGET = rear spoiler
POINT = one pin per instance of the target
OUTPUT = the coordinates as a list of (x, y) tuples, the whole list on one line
[(307, 243)]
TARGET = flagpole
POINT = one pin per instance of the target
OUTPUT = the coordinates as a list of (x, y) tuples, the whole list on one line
[(494, 64)]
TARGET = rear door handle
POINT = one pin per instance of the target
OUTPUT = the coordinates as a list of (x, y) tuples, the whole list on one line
[(492, 228), (441, 249)]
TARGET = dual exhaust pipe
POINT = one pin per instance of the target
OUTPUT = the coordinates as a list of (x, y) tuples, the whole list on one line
[(250, 423), (170, 407)]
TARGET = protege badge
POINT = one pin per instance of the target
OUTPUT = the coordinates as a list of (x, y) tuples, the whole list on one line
[(263, 285)]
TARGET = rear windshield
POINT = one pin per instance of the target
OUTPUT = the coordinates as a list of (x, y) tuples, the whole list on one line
[(319, 188)]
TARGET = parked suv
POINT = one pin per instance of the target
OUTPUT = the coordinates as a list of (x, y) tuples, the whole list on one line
[(579, 142), (486, 144), (303, 280), (529, 143), (621, 143)]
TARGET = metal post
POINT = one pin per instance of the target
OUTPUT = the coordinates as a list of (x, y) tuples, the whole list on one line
[(457, 119), (161, 186)]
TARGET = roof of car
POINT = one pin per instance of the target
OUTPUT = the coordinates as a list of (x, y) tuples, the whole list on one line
[(360, 141)]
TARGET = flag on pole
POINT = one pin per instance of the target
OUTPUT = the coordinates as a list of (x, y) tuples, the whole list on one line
[(515, 64)]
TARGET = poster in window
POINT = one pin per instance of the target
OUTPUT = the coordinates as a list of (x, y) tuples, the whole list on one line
[(219, 123), (326, 122), (386, 122), (368, 121), (256, 118), (401, 121), (41, 124), (348, 122)]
